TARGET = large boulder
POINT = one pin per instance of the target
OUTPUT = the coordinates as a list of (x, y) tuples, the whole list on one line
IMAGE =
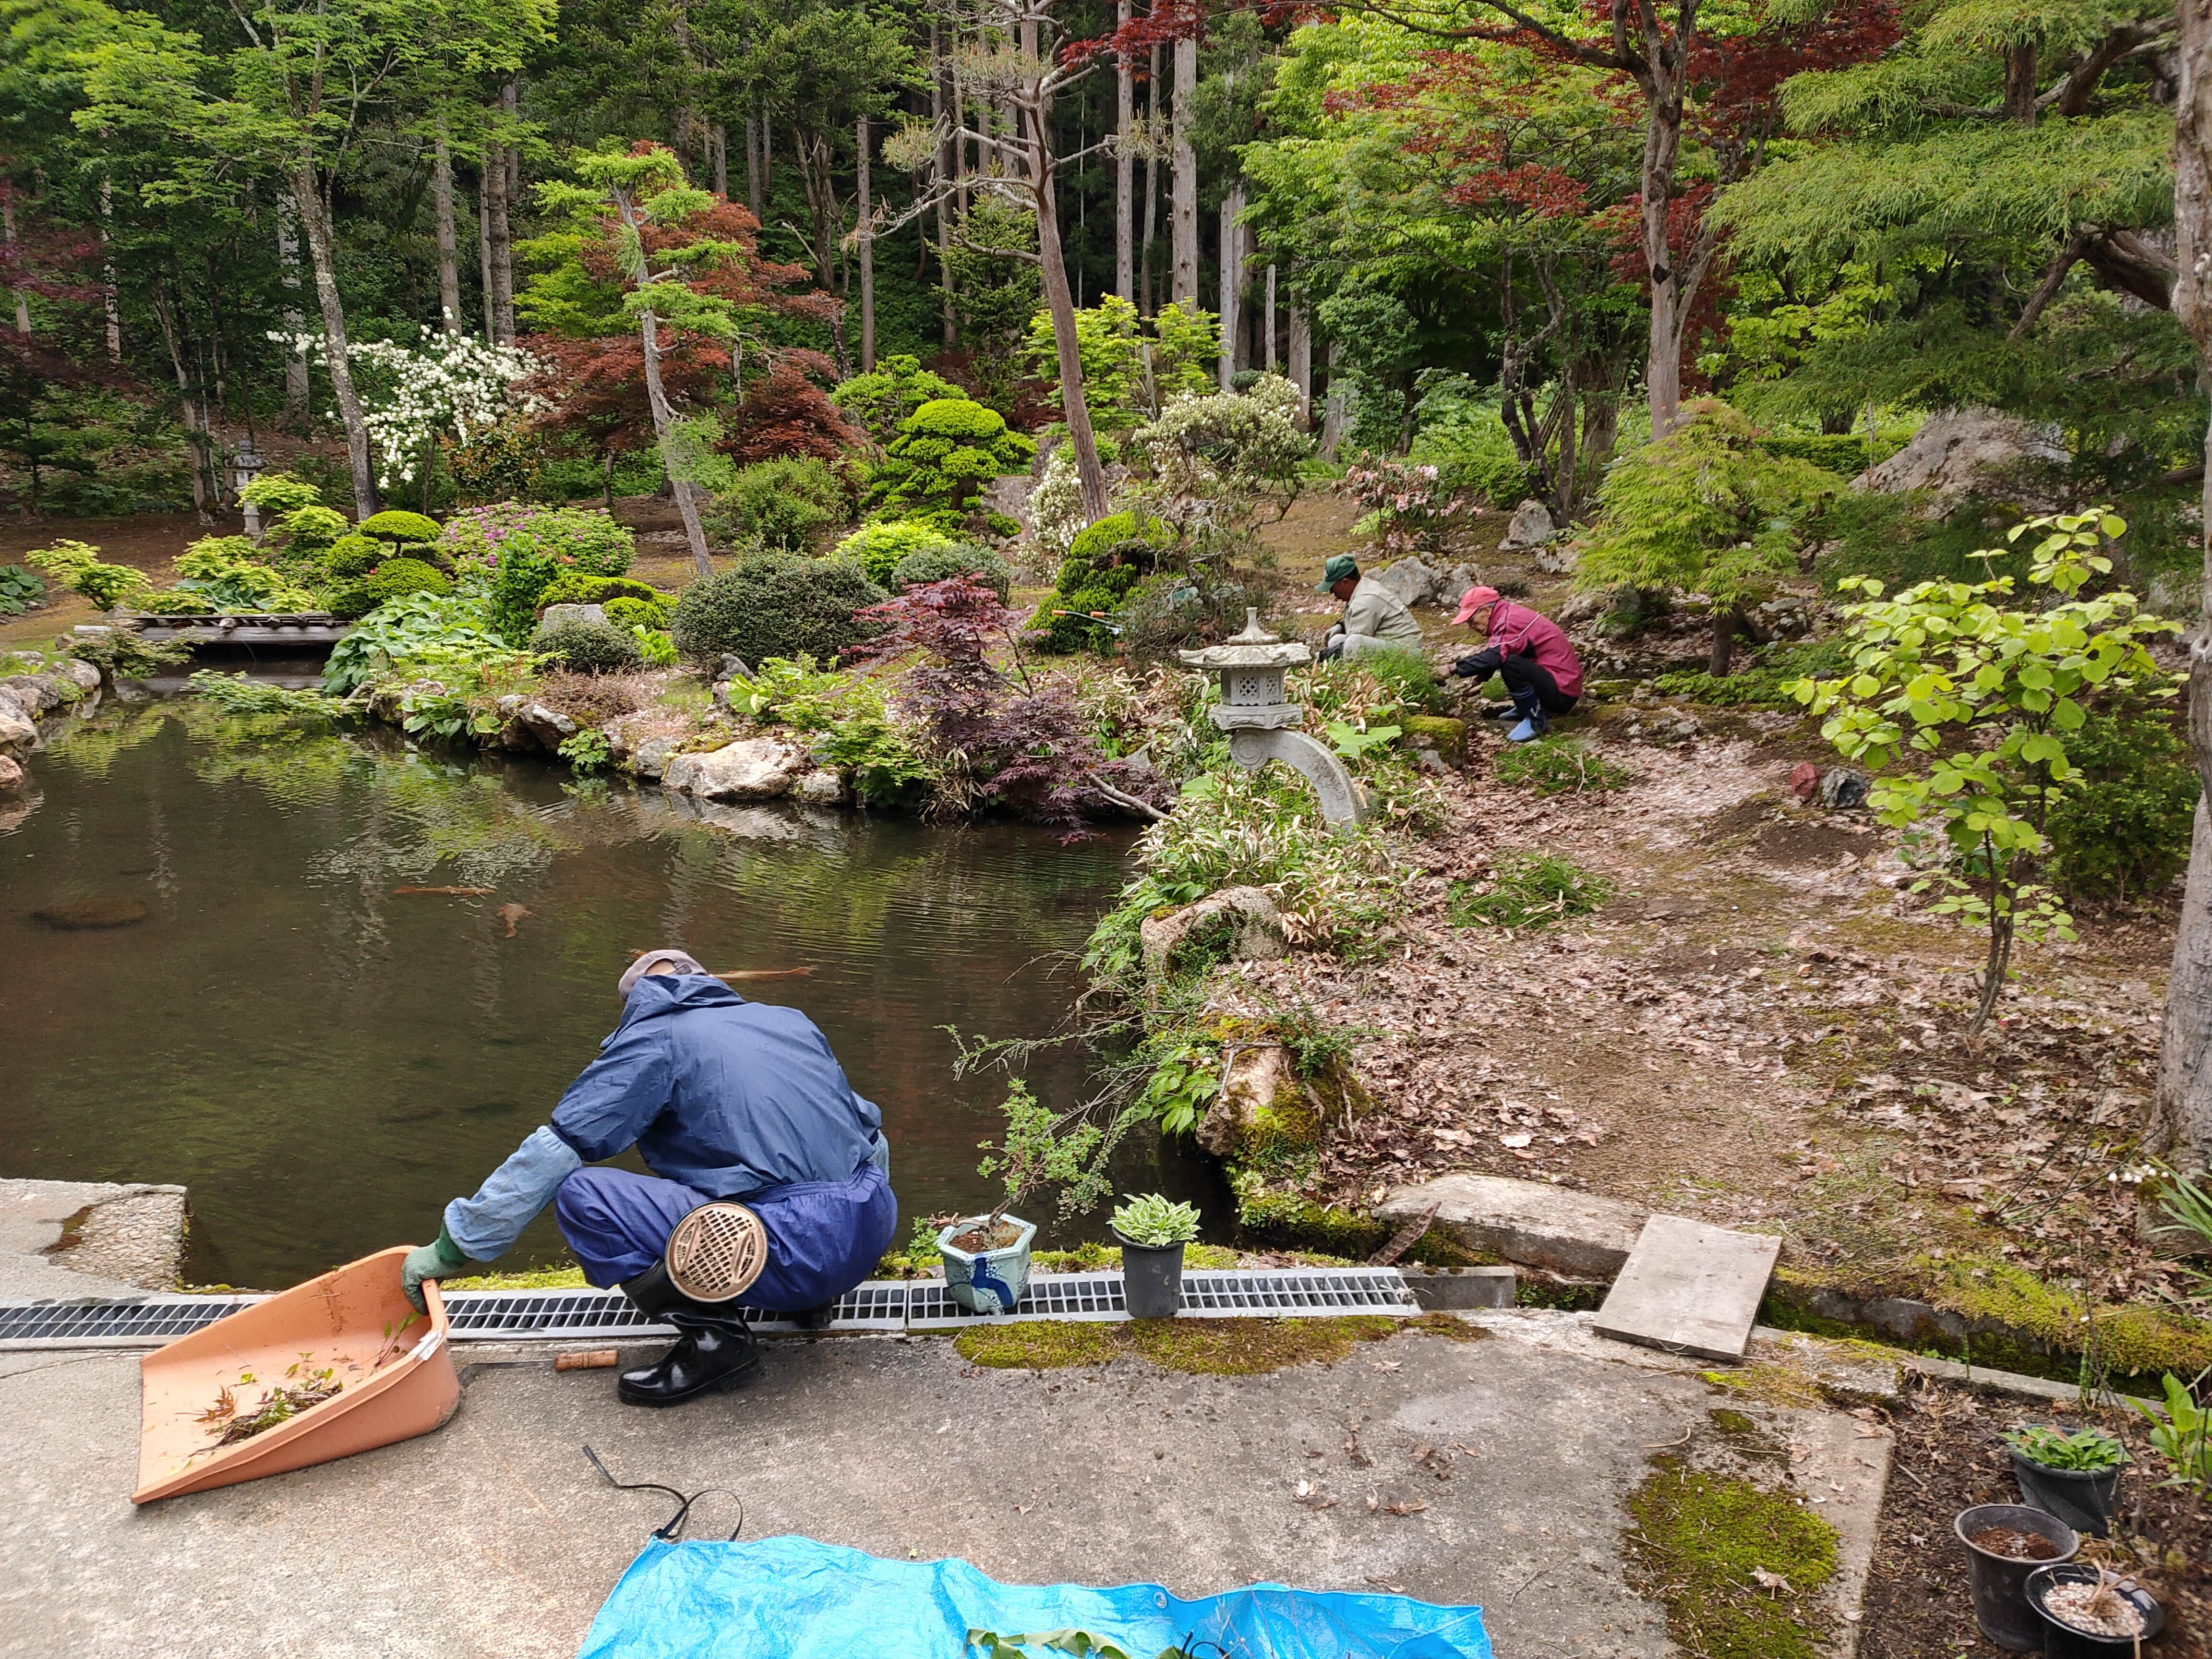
[(1411, 580), (1530, 527), (11, 774), (1968, 451), (1238, 924), (1262, 1107), (753, 768), (596, 615), (19, 731)]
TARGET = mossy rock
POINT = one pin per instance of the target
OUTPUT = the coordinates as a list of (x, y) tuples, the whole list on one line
[(1446, 736), (1272, 1212)]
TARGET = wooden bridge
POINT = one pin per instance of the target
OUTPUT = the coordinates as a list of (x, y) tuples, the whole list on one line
[(307, 628)]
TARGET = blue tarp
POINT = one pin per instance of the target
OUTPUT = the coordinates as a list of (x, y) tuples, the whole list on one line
[(793, 1598)]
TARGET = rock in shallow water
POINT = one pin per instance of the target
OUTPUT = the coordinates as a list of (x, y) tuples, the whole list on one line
[(91, 914), (756, 769)]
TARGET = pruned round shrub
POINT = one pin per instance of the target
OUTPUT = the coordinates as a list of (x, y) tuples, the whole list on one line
[(627, 611), (575, 588), (394, 526), (945, 560), (1103, 566), (946, 452), (790, 503), (394, 578), (354, 555), (878, 548), (772, 604), (590, 648)]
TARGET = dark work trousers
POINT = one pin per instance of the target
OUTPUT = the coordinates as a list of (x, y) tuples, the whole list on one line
[(1527, 681)]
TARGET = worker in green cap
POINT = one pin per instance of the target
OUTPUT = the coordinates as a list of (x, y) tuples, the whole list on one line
[(1374, 620)]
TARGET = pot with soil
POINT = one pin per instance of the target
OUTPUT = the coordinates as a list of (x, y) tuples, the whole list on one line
[(2005, 1543), (987, 1260), (2073, 1476), (1153, 1233), (2091, 1613)]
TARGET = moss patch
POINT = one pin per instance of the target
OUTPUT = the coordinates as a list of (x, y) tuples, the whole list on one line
[(1293, 1221), (1212, 1347), (1768, 1381), (550, 1279), (1696, 1539)]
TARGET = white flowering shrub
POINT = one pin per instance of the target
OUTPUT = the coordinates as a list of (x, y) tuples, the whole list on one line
[(448, 382), (1056, 504)]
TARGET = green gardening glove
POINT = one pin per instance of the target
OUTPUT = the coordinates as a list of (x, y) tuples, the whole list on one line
[(440, 1259)]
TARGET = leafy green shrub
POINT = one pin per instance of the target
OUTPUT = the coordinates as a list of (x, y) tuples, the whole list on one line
[(223, 574), (354, 555), (775, 604), (877, 548), (1152, 1220), (789, 503), (946, 452), (20, 589), (397, 577), (564, 538), (1527, 889), (2088, 1450), (656, 645), (276, 494), (881, 400), (575, 588), (1103, 566), (1407, 675), (240, 694), (1554, 767), (590, 648), (1846, 453), (587, 751), (415, 628), (77, 565), (392, 526), (946, 560), (627, 610), (2126, 830)]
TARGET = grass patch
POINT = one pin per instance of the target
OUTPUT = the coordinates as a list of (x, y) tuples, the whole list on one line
[(1697, 1539), (1527, 889), (1212, 1347), (1558, 767)]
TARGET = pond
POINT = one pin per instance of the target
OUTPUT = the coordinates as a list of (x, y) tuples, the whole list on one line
[(325, 1060)]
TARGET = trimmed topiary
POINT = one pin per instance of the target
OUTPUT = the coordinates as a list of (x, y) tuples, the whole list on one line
[(576, 588), (1104, 563), (395, 578), (947, 451), (630, 612), (354, 555), (946, 560), (393, 525), (772, 604), (877, 548), (590, 648)]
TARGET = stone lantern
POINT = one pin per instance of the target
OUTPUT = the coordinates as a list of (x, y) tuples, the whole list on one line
[(1262, 722), (246, 465)]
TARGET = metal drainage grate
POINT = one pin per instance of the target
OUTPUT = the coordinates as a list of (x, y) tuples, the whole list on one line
[(880, 1305)]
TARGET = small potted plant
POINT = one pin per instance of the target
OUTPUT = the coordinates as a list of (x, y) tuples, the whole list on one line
[(1153, 1232), (2091, 1612), (987, 1257), (2072, 1476)]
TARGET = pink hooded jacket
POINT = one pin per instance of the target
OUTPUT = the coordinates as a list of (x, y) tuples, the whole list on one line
[(1520, 632)]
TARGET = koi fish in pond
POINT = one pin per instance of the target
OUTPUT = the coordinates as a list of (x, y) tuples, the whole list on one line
[(451, 892), (511, 913)]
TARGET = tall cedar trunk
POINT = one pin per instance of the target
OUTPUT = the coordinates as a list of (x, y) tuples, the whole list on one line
[(1301, 365), (1232, 283), (111, 290), (867, 230), (205, 494), (1062, 304), (664, 417), (336, 357), (1334, 407), (499, 248), (8, 234), (717, 140), (1182, 211), (753, 166), (296, 320), (1125, 168), (1268, 358), (449, 240), (2181, 1123), (1147, 302), (1662, 144)]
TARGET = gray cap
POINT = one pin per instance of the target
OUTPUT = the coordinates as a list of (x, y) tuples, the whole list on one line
[(669, 959)]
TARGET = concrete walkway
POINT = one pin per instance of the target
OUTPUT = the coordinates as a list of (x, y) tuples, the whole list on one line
[(496, 1537)]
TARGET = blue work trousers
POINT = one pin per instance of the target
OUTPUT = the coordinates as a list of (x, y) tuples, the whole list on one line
[(823, 1236)]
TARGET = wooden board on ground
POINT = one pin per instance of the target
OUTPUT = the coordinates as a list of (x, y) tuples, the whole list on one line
[(1689, 1288)]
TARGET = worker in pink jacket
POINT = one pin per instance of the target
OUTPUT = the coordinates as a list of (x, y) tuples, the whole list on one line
[(1528, 651)]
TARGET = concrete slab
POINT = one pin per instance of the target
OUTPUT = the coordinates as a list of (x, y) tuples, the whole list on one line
[(495, 1536), (67, 1239), (1578, 1234), (1690, 1288)]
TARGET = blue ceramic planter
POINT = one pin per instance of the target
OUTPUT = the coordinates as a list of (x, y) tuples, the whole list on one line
[(988, 1281)]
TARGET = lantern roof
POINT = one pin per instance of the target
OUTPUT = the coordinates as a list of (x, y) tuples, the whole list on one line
[(1253, 648)]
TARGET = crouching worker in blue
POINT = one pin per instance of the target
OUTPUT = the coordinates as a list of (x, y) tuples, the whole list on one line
[(771, 1187)]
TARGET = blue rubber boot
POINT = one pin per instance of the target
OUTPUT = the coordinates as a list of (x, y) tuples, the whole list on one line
[(1530, 708)]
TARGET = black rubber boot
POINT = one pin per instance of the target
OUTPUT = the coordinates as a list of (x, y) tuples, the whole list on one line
[(715, 1353), (815, 1319)]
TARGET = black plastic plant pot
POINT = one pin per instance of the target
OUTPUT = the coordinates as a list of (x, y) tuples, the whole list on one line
[(1151, 1279), (2063, 1641), (2000, 1581), (2083, 1499)]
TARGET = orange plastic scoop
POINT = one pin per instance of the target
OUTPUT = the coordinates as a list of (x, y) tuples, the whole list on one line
[(391, 1366)]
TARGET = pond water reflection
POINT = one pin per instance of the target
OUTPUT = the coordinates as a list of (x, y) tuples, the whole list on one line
[(325, 1060)]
